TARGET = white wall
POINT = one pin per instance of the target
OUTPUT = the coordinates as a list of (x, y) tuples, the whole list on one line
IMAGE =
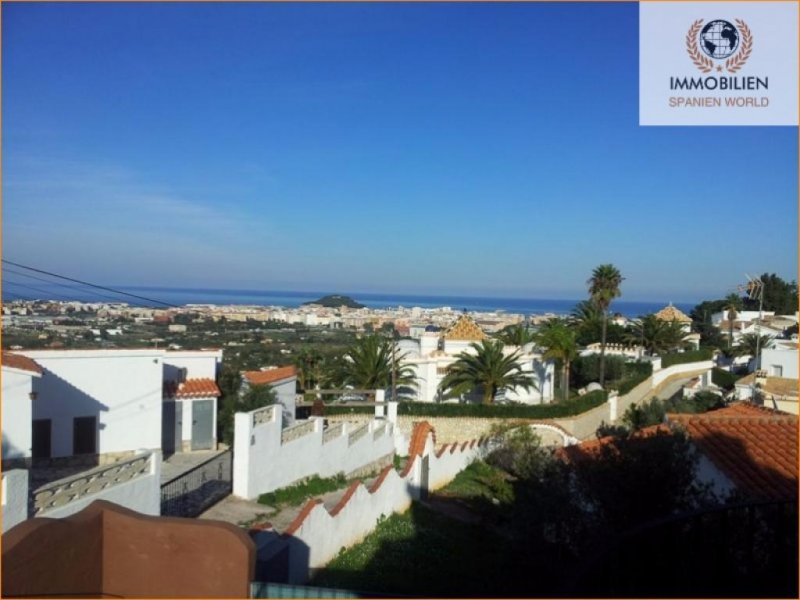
[(322, 534), (663, 374), (286, 391), (122, 388), (199, 364), (142, 494), (784, 358), (16, 412), (15, 497), (262, 463)]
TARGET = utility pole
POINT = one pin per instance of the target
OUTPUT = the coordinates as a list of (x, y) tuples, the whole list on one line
[(755, 289), (394, 366)]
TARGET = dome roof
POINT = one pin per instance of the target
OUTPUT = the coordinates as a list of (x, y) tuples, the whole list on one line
[(670, 313), (465, 329)]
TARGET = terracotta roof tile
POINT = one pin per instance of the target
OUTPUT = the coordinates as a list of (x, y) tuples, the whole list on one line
[(465, 328), (23, 363), (591, 448), (755, 447), (670, 313), (419, 436), (270, 375), (198, 388)]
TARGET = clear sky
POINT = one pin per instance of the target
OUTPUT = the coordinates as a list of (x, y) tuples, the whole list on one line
[(415, 148)]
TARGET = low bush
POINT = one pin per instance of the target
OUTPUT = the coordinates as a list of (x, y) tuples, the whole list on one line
[(724, 379), (574, 406), (298, 493), (678, 358)]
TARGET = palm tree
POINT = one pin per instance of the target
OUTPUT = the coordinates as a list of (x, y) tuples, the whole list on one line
[(308, 362), (657, 336), (559, 342), (733, 304), (752, 343), (516, 335), (367, 365), (488, 368), (604, 286), (587, 318)]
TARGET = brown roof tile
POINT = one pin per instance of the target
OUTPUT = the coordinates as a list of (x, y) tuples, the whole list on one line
[(270, 375), (198, 388), (755, 447), (23, 363)]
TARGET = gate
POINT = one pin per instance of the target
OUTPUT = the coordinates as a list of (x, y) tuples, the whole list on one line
[(193, 492)]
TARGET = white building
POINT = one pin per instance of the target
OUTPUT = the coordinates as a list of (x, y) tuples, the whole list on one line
[(109, 404), (780, 360), (18, 373), (431, 355), (283, 380), (745, 316)]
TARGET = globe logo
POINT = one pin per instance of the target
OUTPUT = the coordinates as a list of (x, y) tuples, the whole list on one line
[(719, 39)]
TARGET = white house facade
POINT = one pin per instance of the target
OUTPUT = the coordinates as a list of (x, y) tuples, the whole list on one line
[(431, 355), (19, 373)]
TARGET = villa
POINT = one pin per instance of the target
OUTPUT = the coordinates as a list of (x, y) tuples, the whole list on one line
[(433, 352)]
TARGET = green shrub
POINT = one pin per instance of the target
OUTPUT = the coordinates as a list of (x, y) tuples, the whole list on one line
[(723, 379), (298, 493), (574, 406), (586, 369), (679, 358)]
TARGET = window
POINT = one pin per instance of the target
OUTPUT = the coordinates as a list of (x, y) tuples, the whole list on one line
[(84, 435), (777, 371)]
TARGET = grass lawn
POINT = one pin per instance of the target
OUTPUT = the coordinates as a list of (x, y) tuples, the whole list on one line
[(422, 552), (295, 495), (480, 482)]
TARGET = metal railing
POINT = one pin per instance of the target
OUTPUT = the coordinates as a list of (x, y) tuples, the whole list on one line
[(194, 491)]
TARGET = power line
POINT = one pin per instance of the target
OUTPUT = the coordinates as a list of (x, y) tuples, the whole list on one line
[(48, 294), (64, 285), (94, 285)]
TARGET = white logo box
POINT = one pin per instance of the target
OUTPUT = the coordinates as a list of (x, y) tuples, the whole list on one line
[(674, 90)]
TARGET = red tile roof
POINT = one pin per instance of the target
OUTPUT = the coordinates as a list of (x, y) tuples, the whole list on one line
[(269, 376), (198, 388), (591, 448), (755, 447), (23, 363)]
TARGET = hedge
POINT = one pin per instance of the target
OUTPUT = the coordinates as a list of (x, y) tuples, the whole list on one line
[(678, 358), (723, 379), (570, 408)]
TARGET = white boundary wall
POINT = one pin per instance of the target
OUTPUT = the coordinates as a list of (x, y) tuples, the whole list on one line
[(15, 497), (140, 490), (267, 457), (317, 536)]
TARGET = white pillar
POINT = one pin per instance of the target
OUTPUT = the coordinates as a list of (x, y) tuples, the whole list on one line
[(392, 413), (380, 404), (613, 398)]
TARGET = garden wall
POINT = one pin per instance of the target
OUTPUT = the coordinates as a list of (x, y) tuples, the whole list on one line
[(317, 535), (267, 457)]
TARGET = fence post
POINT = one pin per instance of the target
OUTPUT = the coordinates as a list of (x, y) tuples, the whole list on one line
[(380, 404), (392, 413), (613, 401)]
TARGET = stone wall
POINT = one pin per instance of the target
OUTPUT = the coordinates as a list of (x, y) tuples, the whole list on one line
[(448, 429), (267, 456)]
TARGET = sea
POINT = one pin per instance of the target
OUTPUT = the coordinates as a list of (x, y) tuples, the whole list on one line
[(183, 296)]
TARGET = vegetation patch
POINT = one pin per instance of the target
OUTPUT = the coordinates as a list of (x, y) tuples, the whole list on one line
[(678, 358), (296, 494), (424, 553), (724, 379), (480, 481)]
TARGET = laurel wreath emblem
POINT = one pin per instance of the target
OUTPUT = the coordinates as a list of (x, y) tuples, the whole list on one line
[(734, 63)]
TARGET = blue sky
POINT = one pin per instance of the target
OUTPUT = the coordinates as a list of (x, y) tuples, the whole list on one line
[(415, 148)]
